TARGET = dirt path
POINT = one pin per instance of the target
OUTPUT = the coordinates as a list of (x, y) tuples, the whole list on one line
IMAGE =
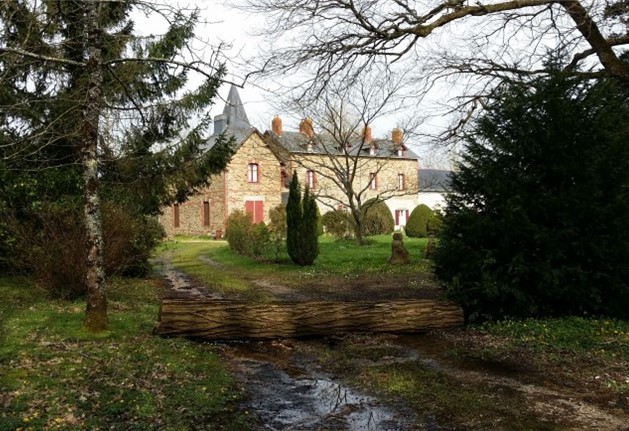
[(287, 391), (288, 387)]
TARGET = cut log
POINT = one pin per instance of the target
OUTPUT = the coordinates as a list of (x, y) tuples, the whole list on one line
[(235, 320)]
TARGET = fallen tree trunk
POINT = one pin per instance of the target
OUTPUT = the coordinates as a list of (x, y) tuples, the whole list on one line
[(229, 320)]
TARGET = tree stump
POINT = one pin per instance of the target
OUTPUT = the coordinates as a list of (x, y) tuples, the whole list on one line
[(399, 254)]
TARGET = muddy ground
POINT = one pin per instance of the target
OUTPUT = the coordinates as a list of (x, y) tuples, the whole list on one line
[(327, 383)]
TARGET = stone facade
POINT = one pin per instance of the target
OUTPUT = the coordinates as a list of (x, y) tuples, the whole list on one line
[(256, 179)]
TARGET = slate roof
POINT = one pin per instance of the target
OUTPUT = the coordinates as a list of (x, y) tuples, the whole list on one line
[(234, 111), (297, 142), (434, 180)]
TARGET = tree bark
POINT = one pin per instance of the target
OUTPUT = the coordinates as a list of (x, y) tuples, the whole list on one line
[(96, 311), (232, 320)]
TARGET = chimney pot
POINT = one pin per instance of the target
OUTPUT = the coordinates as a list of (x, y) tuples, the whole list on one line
[(305, 127), (367, 134), (276, 125), (396, 136)]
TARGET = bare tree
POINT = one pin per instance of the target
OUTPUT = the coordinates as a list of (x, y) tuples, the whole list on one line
[(344, 165), (344, 36), (63, 65), (463, 42)]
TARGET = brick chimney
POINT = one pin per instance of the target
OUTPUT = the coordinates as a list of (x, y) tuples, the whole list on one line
[(367, 135), (276, 125), (396, 136), (305, 127)]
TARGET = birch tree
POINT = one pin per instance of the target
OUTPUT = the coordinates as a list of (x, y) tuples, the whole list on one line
[(65, 66)]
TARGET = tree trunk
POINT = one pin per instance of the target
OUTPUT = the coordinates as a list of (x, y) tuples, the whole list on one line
[(96, 311), (232, 320)]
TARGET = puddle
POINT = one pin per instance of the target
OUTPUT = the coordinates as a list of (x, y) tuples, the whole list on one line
[(294, 395)]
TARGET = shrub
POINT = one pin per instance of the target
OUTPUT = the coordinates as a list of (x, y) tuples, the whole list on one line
[(418, 223), (246, 238), (337, 223), (237, 231), (259, 240), (377, 218), (277, 230), (538, 221), (49, 245)]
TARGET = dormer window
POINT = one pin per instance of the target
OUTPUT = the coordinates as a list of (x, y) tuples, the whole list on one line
[(400, 151), (310, 179), (309, 147), (372, 150)]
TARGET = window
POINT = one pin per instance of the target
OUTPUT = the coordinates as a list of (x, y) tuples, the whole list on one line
[(310, 179), (400, 182), (252, 172), (373, 181), (401, 216), (284, 180), (206, 213), (256, 209), (176, 215), (400, 151)]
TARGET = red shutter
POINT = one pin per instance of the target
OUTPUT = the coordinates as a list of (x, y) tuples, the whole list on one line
[(256, 209), (397, 217), (406, 216), (259, 212), (206, 213), (250, 209)]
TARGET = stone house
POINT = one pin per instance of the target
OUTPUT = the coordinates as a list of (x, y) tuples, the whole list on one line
[(257, 177)]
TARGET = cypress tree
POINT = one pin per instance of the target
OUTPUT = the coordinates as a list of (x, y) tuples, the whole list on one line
[(293, 219), (309, 230), (302, 236)]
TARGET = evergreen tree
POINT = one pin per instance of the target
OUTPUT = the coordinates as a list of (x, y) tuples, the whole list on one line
[(309, 230), (66, 67), (293, 219), (538, 224), (302, 236)]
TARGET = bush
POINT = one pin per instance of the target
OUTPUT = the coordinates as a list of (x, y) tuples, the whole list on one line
[(538, 221), (237, 231), (260, 239), (337, 223), (277, 230), (49, 246), (418, 224), (377, 218), (246, 238)]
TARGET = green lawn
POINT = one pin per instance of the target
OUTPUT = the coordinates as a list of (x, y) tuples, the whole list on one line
[(55, 375), (337, 259)]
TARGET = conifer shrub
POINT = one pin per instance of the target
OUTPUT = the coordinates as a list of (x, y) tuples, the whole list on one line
[(537, 221), (309, 230), (418, 223), (377, 218), (302, 238)]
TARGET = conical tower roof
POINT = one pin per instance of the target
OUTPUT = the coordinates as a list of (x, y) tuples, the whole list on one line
[(234, 111)]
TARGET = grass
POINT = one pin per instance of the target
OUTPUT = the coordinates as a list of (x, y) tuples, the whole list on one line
[(55, 375), (337, 259)]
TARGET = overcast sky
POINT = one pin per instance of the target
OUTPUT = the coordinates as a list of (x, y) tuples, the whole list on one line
[(236, 28)]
